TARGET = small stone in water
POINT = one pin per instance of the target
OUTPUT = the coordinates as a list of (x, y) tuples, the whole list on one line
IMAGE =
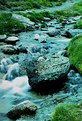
[(36, 36), (2, 37), (24, 108), (12, 40)]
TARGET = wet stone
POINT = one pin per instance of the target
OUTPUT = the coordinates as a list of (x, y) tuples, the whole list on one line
[(12, 40), (2, 37), (9, 49), (24, 108)]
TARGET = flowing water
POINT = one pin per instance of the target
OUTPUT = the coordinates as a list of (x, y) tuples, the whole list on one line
[(16, 90)]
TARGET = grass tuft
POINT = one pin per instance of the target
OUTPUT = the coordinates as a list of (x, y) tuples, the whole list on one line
[(66, 112), (7, 23), (75, 52)]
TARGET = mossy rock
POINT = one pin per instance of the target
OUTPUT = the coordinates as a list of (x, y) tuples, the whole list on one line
[(75, 52), (67, 112)]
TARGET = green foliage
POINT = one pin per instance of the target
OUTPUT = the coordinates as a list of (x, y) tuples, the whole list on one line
[(38, 17), (78, 24), (75, 52), (78, 7), (7, 23), (58, 3), (75, 10), (24, 4), (59, 15), (28, 4), (66, 112)]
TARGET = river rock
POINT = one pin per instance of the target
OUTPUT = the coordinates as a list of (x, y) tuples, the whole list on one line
[(8, 49), (22, 49), (72, 32), (47, 73), (46, 19), (24, 108), (2, 37), (12, 40), (36, 37), (53, 33)]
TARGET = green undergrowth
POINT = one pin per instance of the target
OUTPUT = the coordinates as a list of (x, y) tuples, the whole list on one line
[(28, 4), (78, 24), (75, 10), (24, 4), (75, 52), (38, 17), (59, 2), (67, 112), (8, 24), (59, 14)]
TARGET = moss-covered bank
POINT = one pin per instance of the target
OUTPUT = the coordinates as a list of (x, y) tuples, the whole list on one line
[(67, 112), (75, 52), (8, 24), (27, 4)]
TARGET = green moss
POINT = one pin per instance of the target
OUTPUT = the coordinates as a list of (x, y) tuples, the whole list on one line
[(25, 4), (58, 3), (7, 23), (28, 4), (38, 17), (66, 112), (75, 52), (78, 24), (75, 10)]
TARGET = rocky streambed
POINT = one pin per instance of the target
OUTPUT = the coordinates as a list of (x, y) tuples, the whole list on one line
[(34, 66)]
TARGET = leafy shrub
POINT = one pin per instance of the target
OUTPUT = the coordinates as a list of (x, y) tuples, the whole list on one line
[(66, 112)]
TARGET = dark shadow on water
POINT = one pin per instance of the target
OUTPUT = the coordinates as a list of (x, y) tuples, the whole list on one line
[(48, 89)]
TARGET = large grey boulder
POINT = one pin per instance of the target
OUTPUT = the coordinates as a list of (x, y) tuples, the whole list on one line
[(47, 73), (24, 108)]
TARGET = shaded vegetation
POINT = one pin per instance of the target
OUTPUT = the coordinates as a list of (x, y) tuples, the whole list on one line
[(7, 23), (78, 24), (75, 10), (38, 17), (28, 4), (59, 14), (75, 52), (67, 112)]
